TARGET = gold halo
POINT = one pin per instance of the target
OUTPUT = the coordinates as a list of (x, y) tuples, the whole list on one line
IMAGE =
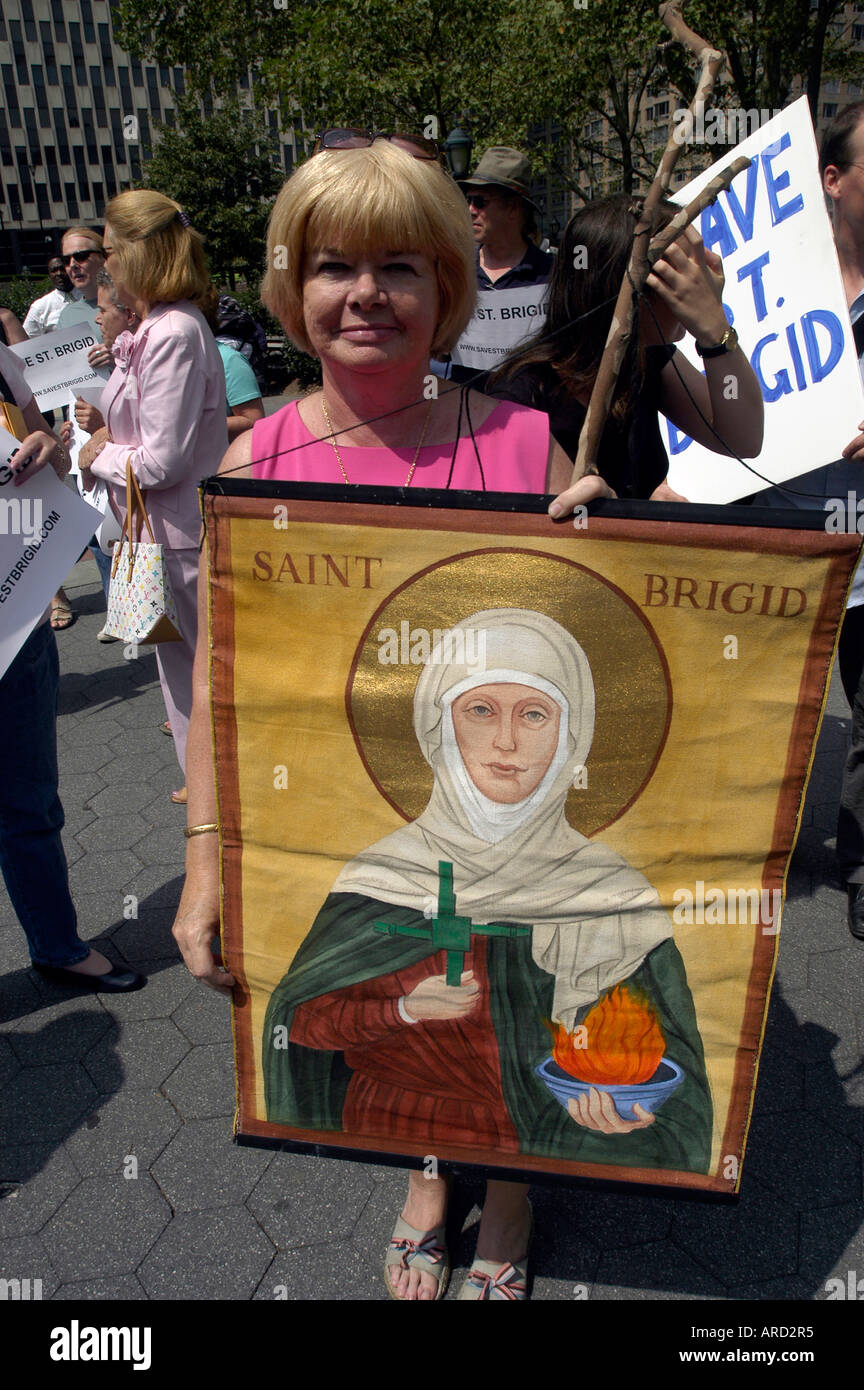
[(631, 678)]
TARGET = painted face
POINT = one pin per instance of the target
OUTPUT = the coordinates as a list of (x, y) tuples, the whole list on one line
[(82, 273), (372, 311), (507, 735), (112, 318)]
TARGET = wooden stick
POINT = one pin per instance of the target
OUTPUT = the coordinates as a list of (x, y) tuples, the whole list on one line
[(621, 328), (688, 214)]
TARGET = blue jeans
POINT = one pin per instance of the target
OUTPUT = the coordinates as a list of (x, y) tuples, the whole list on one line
[(103, 563), (32, 858)]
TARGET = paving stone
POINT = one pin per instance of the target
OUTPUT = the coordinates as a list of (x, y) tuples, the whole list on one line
[(121, 832), (825, 1032), (161, 846), (122, 799), (42, 1103), (202, 1167), (82, 737), (36, 1180), (662, 1273), (168, 984), (145, 1052), (19, 994), (117, 868), (332, 1272), (89, 757), (208, 1255), (832, 1244), (122, 1290), (609, 1219), (147, 936), (803, 1161), (204, 1017), (792, 1289), (9, 1063), (106, 1227), (155, 887), (825, 1085), (780, 1084), (311, 1200), (27, 1259), (754, 1238), (59, 1032), (135, 1123), (203, 1084), (840, 975)]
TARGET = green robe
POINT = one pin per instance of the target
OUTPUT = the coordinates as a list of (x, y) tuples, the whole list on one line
[(306, 1087)]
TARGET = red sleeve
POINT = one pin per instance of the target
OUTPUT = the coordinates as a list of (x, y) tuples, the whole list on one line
[(362, 1013)]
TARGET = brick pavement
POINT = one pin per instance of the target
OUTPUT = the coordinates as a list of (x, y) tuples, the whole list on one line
[(95, 1085)]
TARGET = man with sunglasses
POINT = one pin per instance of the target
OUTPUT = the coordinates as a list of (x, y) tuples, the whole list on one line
[(502, 215), (83, 259)]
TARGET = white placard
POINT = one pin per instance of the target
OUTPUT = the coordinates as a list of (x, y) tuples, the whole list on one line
[(56, 363), (785, 297), (44, 526), (502, 320)]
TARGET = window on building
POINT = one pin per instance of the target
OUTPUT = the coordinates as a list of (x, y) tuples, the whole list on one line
[(29, 22), (32, 136), (153, 94), (5, 144), (99, 196), (179, 82), (120, 147), (78, 54), (59, 22), (829, 110), (98, 97), (40, 94), (51, 74), (43, 203), (11, 91), (110, 177), (137, 71), (81, 171), (3, 38), (89, 136), (125, 90), (107, 55), (144, 129), (53, 172), (87, 16), (62, 137), (858, 33), (14, 203), (19, 52), (170, 118), (69, 96), (288, 158), (24, 174), (72, 202), (831, 87)]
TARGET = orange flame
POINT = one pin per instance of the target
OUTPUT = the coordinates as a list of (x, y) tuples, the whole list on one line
[(620, 1041)]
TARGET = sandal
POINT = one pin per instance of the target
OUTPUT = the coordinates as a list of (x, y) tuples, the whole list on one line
[(165, 728), (488, 1280), (60, 610), (425, 1250), (179, 798)]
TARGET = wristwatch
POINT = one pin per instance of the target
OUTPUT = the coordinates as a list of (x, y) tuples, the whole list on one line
[(728, 343)]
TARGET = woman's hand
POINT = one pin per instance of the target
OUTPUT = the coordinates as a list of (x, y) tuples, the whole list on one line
[(434, 998), (690, 280), (87, 416), (579, 494), (38, 449), (100, 356), (596, 1111), (195, 928), (94, 446), (66, 433)]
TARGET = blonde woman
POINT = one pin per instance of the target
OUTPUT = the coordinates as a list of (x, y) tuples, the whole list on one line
[(164, 407)]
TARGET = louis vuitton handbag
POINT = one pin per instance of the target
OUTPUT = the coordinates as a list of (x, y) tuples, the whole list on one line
[(141, 606)]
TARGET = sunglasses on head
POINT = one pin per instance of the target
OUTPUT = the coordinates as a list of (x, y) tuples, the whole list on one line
[(347, 138), (80, 256)]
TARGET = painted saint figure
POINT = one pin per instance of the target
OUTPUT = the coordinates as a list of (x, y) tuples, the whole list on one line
[(379, 1044)]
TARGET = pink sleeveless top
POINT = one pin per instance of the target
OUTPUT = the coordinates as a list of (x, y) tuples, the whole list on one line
[(513, 444)]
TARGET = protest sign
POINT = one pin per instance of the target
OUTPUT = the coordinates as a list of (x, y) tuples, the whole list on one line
[(57, 362), (502, 320), (109, 530), (785, 298), (628, 889), (44, 526)]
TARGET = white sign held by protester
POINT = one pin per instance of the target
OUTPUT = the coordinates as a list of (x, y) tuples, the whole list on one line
[(502, 321), (56, 363), (784, 296), (44, 526)]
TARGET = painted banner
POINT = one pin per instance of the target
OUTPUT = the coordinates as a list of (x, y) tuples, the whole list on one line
[(44, 526), (501, 321), (785, 297), (499, 847), (56, 363)]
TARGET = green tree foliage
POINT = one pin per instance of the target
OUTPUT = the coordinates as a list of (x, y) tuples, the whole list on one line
[(221, 169)]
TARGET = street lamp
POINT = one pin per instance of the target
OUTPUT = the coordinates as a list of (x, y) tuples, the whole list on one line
[(457, 148)]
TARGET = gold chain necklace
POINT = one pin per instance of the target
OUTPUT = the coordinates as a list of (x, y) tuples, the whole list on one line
[(330, 430)]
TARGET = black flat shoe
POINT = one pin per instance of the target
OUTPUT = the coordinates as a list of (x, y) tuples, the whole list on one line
[(117, 980), (855, 894)]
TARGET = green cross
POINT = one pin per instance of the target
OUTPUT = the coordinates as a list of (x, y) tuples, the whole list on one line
[(448, 931)]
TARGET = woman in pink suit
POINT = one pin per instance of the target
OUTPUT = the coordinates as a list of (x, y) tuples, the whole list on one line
[(164, 407)]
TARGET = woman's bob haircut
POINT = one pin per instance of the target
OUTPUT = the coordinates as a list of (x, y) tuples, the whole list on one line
[(373, 199), (161, 260)]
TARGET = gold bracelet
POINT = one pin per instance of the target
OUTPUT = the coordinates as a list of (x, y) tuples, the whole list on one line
[(191, 830)]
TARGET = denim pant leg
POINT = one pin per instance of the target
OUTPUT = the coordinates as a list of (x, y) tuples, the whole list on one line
[(103, 564), (32, 859)]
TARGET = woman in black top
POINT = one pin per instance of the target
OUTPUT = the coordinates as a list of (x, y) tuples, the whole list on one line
[(555, 371)]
